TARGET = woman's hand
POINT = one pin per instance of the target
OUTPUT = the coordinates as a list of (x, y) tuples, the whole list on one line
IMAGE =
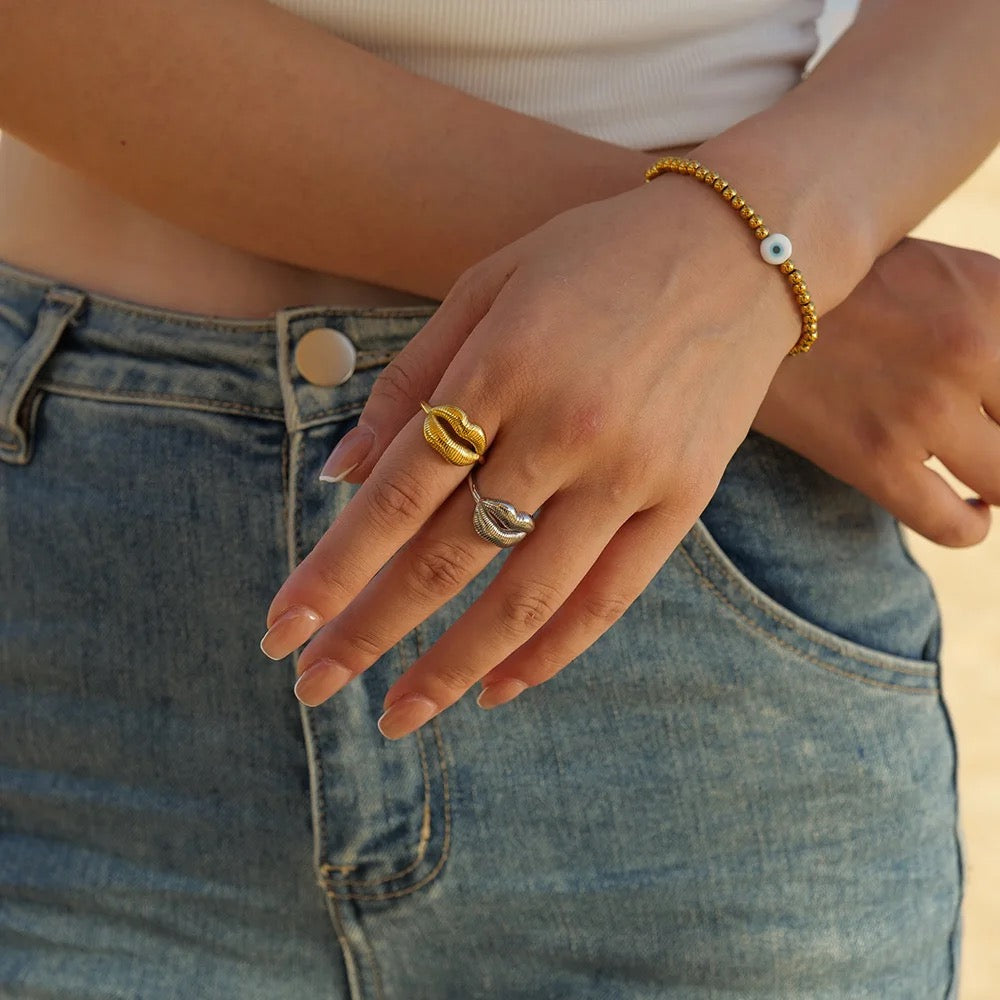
[(614, 375), (907, 367)]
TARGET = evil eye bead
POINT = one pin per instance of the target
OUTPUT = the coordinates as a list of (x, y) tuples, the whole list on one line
[(776, 248)]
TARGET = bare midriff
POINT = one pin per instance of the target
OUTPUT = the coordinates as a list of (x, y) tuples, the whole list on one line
[(55, 222)]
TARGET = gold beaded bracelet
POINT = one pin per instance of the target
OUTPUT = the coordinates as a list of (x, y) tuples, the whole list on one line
[(775, 248)]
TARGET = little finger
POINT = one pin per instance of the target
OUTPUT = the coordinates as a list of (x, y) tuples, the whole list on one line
[(922, 499), (972, 454), (540, 573), (622, 572)]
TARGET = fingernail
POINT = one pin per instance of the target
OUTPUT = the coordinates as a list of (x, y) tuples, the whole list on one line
[(500, 693), (321, 680), (405, 715), (348, 455), (289, 631)]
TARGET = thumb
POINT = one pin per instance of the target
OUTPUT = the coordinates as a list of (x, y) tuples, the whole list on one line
[(412, 375)]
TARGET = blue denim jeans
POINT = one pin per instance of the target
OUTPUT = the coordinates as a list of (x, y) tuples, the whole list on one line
[(745, 789)]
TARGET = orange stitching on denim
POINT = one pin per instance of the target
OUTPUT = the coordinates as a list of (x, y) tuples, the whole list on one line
[(212, 405), (10, 447), (446, 845), (288, 442), (446, 840), (175, 318), (374, 362), (754, 627), (820, 641), (425, 824), (425, 831), (153, 398)]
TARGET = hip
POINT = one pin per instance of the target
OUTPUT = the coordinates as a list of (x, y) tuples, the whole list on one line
[(752, 771)]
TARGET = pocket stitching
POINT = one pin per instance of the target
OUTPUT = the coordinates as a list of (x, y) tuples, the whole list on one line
[(752, 626), (855, 652)]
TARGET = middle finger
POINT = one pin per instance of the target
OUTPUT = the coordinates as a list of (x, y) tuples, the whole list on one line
[(435, 566)]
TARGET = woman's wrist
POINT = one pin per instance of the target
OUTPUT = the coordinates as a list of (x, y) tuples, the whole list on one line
[(850, 160), (834, 240)]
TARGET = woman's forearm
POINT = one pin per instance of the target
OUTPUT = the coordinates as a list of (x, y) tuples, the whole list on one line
[(898, 113), (263, 131)]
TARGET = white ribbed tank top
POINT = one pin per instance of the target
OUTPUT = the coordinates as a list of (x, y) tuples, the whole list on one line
[(639, 73)]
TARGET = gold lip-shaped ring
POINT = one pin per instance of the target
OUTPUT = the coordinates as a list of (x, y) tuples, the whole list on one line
[(498, 521), (450, 432)]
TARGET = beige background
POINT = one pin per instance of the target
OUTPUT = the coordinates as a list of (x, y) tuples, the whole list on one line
[(968, 583)]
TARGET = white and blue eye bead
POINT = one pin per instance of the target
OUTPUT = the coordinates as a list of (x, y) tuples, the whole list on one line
[(776, 248)]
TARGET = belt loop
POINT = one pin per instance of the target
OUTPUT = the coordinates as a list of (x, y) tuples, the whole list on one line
[(19, 398)]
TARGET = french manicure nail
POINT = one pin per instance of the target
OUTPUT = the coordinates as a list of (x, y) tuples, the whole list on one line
[(321, 680), (348, 455), (289, 631), (500, 693), (403, 716)]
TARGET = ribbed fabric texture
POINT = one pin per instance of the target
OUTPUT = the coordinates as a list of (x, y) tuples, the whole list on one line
[(639, 73)]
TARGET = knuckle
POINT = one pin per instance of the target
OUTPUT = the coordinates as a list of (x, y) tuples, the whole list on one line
[(878, 442), (604, 609), (439, 568), (964, 339), (468, 285), (331, 582), (390, 502), (369, 646), (501, 374), (396, 384), (527, 607), (580, 424), (454, 677)]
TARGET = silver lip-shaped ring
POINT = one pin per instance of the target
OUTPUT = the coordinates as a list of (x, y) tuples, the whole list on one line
[(498, 521)]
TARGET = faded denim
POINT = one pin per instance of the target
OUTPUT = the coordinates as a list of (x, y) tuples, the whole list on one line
[(745, 790)]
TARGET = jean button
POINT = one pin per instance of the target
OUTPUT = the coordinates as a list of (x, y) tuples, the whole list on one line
[(325, 356)]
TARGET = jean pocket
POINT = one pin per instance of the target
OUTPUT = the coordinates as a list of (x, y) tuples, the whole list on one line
[(813, 641)]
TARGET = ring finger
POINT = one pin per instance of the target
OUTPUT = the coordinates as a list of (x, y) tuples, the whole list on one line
[(536, 579), (434, 566)]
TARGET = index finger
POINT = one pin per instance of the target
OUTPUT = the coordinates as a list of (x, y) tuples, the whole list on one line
[(409, 482)]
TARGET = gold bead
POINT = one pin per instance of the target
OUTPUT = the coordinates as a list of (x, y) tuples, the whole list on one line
[(680, 165)]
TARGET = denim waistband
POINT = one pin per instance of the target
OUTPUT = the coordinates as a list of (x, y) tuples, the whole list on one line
[(63, 338)]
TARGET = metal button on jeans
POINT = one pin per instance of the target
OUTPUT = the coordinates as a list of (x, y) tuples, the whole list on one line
[(325, 356)]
